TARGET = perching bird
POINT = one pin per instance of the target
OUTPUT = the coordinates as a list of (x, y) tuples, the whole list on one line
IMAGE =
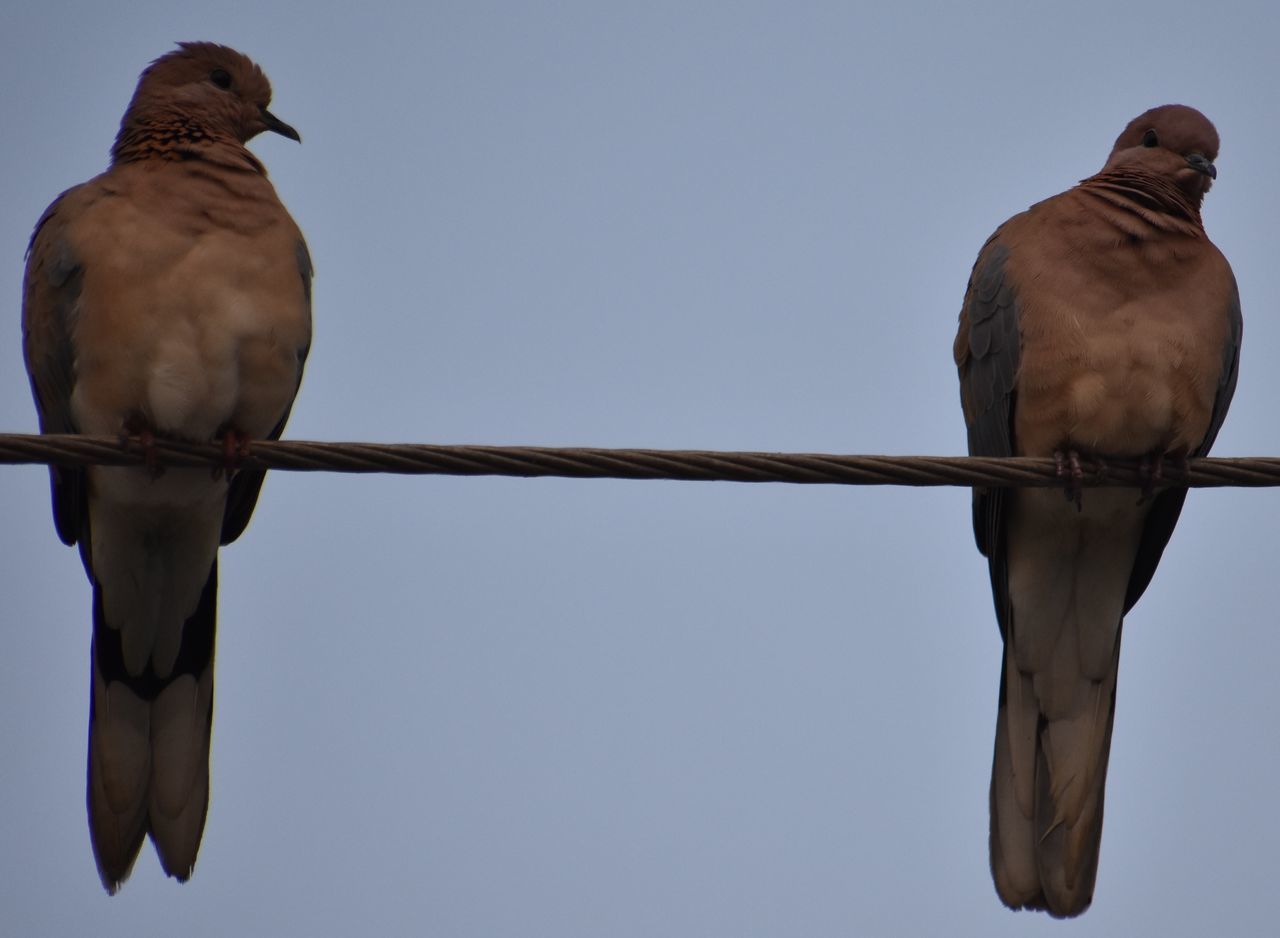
[(1101, 322), (168, 297)]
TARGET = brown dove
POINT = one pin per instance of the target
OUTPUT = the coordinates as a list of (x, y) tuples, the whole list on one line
[(1100, 323), (168, 297)]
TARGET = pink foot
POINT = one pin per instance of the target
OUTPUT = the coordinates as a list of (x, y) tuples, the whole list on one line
[(235, 449), (136, 426), (1069, 468)]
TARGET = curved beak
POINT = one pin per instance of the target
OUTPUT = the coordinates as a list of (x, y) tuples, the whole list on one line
[(1198, 162), (277, 126)]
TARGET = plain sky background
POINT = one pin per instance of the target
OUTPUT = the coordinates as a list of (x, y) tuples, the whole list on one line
[(479, 707)]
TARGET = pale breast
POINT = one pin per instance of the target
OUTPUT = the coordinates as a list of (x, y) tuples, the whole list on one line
[(1121, 357), (1125, 383), (180, 317)]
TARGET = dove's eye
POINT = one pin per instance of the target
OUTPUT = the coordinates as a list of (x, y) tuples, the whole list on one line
[(220, 78), (1149, 139)]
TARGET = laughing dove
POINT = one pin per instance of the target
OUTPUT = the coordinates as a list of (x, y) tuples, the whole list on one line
[(1100, 322), (168, 297)]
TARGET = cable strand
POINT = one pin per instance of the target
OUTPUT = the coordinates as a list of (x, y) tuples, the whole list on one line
[(576, 462)]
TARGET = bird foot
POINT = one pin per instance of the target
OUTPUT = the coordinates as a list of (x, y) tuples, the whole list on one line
[(235, 449), (1070, 469), (1151, 467), (1151, 471), (137, 427)]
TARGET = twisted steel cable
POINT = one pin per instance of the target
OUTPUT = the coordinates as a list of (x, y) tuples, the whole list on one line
[(576, 462)]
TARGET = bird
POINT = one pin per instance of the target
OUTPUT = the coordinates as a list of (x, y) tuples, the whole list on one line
[(1101, 323), (167, 298)]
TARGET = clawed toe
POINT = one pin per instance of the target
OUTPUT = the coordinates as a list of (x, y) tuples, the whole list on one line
[(1069, 468), (1151, 467), (137, 427), (235, 449)]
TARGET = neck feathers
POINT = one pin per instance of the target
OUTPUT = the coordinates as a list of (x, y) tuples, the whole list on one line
[(1141, 203), (170, 137)]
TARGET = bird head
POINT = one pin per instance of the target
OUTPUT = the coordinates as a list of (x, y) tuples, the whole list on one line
[(201, 91), (1173, 141)]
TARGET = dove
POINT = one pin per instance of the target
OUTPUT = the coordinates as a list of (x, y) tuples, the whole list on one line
[(1101, 323), (167, 298)]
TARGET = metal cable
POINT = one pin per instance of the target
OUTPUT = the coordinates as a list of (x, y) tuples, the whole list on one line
[(595, 463)]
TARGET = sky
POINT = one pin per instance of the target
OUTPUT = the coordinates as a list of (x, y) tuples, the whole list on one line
[(485, 707)]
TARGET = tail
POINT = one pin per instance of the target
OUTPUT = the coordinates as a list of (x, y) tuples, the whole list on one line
[(148, 770), (1048, 780)]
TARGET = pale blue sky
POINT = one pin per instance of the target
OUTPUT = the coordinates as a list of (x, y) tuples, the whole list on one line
[(549, 707)]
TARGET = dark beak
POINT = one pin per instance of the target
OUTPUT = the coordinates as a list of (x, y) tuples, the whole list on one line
[(277, 126), (1201, 165)]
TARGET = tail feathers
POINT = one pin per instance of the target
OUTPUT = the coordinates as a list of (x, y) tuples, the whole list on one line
[(179, 796), (148, 766), (119, 764), (1048, 783), (1069, 846)]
